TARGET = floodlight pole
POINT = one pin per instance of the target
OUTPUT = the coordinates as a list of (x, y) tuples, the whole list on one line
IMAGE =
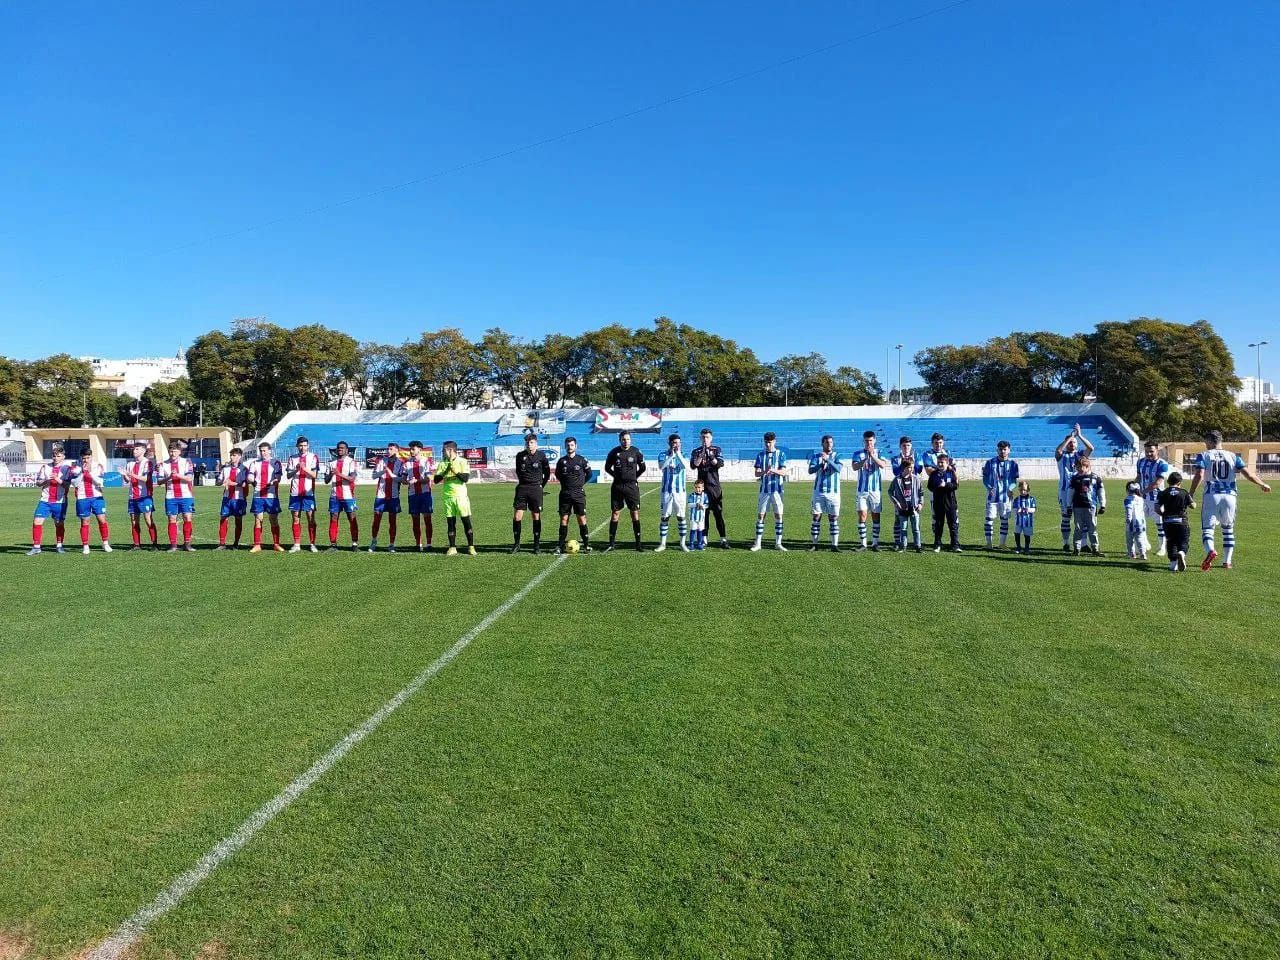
[(899, 349), (1257, 382)]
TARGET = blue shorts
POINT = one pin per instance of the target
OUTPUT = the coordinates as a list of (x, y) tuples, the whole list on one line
[(420, 503), (383, 505), (93, 506), (305, 504), (55, 511), (233, 508), (269, 505), (141, 505), (341, 506), (173, 506)]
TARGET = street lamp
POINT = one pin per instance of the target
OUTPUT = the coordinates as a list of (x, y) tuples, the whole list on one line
[(899, 349), (1257, 383)]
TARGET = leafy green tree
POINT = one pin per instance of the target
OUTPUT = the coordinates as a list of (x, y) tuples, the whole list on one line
[(445, 370), (384, 381), (55, 391), (10, 390), (513, 366), (170, 404)]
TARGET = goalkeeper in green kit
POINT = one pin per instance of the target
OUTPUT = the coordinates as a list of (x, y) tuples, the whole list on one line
[(451, 478)]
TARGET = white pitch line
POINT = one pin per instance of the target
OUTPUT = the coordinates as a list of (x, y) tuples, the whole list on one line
[(131, 931)]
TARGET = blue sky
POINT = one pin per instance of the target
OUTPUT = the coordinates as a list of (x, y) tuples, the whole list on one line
[(1000, 165)]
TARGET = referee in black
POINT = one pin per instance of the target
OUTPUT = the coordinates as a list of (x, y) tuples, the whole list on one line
[(624, 464), (573, 471), (532, 473), (707, 460)]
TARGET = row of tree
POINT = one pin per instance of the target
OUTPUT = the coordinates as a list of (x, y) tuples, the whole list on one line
[(253, 375), (1165, 379)]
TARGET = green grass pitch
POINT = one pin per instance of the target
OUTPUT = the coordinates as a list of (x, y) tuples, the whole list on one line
[(707, 755)]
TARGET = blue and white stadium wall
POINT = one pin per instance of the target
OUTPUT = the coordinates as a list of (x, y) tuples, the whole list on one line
[(971, 431)]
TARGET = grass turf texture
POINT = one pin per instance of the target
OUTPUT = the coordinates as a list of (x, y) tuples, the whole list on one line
[(707, 755)]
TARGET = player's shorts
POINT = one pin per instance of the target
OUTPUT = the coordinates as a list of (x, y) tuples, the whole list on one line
[(142, 505), (173, 506), (341, 505), (386, 505), (624, 495), (1150, 511), (233, 508), (268, 505), (1024, 524), (828, 503), (868, 501), (90, 506), (420, 503), (455, 503), (1215, 508), (303, 504), (53, 511), (1064, 502), (573, 501), (529, 496), (999, 508), (770, 499), (673, 505)]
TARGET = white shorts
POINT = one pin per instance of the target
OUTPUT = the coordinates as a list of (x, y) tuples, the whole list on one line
[(1217, 508), (869, 501), (1149, 510), (774, 499), (673, 505), (1064, 501), (999, 509), (828, 503)]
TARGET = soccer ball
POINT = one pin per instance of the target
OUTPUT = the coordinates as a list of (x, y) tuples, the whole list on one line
[(571, 546)]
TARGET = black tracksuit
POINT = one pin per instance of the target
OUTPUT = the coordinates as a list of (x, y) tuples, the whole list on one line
[(708, 461), (943, 485), (1173, 503)]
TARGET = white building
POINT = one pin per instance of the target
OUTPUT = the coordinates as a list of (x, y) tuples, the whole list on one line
[(1248, 392), (133, 376)]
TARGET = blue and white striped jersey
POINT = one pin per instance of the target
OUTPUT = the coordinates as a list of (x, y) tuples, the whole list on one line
[(1024, 504), (771, 482), (1152, 472), (868, 473), (674, 470), (1220, 468), (826, 476), (698, 509), (895, 463), (1000, 477), (1067, 469)]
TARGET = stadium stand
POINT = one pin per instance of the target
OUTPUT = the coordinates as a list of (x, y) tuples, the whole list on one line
[(971, 430)]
